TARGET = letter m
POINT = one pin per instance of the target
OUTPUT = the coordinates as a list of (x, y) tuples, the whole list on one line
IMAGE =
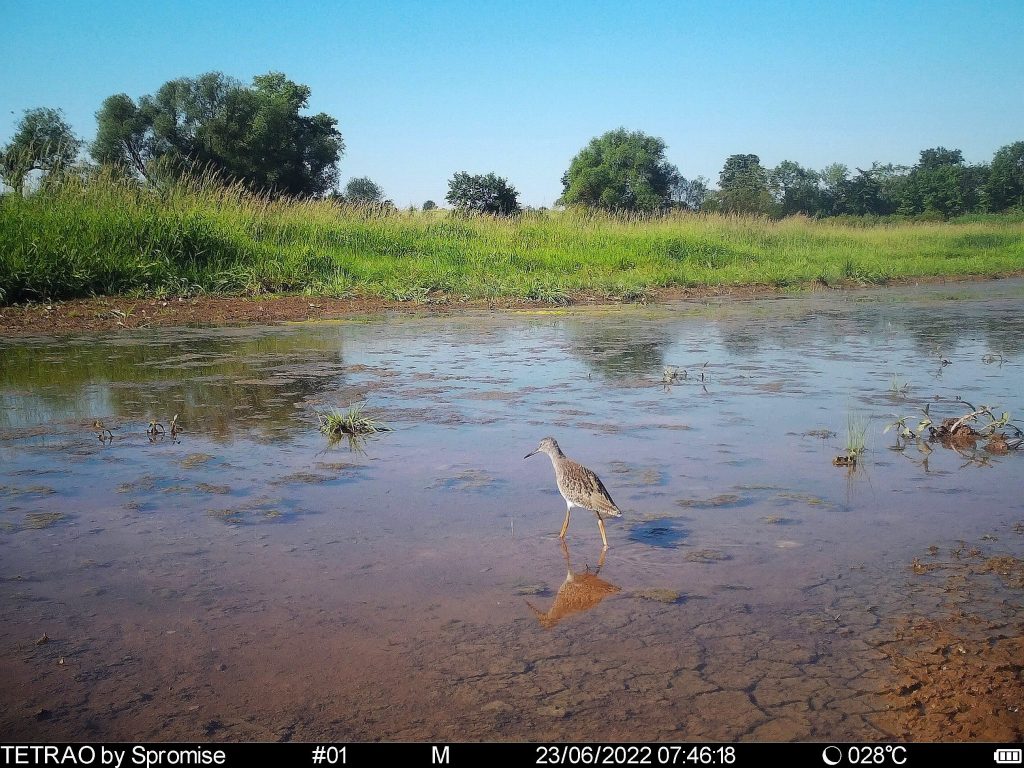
[(440, 755)]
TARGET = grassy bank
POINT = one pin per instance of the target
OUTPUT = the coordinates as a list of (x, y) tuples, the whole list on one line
[(109, 238)]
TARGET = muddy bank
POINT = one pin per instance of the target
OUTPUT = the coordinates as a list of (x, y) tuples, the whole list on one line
[(114, 313), (959, 676), (957, 679), (708, 666)]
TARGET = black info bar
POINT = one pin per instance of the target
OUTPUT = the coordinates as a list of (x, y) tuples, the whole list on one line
[(329, 754)]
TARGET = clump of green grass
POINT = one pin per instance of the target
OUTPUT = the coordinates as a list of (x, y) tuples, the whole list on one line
[(856, 436), (336, 423)]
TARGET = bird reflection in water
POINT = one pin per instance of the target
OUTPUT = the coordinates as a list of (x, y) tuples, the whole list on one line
[(581, 591)]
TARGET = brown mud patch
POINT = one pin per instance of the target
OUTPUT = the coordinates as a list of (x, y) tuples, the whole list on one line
[(956, 679), (112, 313), (959, 436), (959, 677)]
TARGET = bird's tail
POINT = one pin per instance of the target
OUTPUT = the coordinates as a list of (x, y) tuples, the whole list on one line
[(611, 510)]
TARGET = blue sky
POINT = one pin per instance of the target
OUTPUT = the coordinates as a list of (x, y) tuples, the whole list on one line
[(424, 89)]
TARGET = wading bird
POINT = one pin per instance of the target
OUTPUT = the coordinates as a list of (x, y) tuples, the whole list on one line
[(579, 486)]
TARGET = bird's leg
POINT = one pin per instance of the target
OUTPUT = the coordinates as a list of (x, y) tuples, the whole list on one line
[(600, 561), (568, 563), (565, 525), (604, 538)]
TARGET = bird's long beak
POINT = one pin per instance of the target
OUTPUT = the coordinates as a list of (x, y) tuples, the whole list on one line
[(529, 454)]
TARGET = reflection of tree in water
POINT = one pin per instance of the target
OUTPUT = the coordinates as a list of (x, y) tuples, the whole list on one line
[(933, 333), (790, 329), (741, 339), (219, 385), (933, 328), (616, 351), (1004, 334), (941, 328)]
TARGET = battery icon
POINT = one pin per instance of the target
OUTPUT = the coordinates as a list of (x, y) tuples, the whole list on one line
[(1009, 756)]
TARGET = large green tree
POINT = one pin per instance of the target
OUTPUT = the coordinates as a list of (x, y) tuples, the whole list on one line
[(743, 186), (942, 183), (42, 141), (620, 171), (482, 194), (833, 186), (892, 182), (796, 189), (1005, 184), (255, 134), (863, 195)]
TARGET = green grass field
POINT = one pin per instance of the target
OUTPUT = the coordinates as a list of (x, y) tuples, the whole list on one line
[(106, 237)]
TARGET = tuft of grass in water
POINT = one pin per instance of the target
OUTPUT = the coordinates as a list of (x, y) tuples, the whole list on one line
[(336, 423), (856, 435), (107, 235), (898, 386)]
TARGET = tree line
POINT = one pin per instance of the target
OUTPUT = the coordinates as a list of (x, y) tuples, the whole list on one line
[(624, 170), (258, 135)]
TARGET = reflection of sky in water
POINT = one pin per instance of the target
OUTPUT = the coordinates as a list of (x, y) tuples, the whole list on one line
[(477, 390)]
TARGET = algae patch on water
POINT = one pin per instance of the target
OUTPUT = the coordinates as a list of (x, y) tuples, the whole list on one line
[(638, 476), (776, 520), (466, 480), (195, 460), (296, 478), (658, 595), (712, 502), (41, 520), (262, 509), (32, 490), (707, 556), (211, 488), (530, 588)]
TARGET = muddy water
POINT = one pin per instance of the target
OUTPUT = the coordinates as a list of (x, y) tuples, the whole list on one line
[(246, 580)]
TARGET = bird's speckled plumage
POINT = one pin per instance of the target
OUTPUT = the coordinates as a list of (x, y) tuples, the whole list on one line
[(583, 488), (579, 486)]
